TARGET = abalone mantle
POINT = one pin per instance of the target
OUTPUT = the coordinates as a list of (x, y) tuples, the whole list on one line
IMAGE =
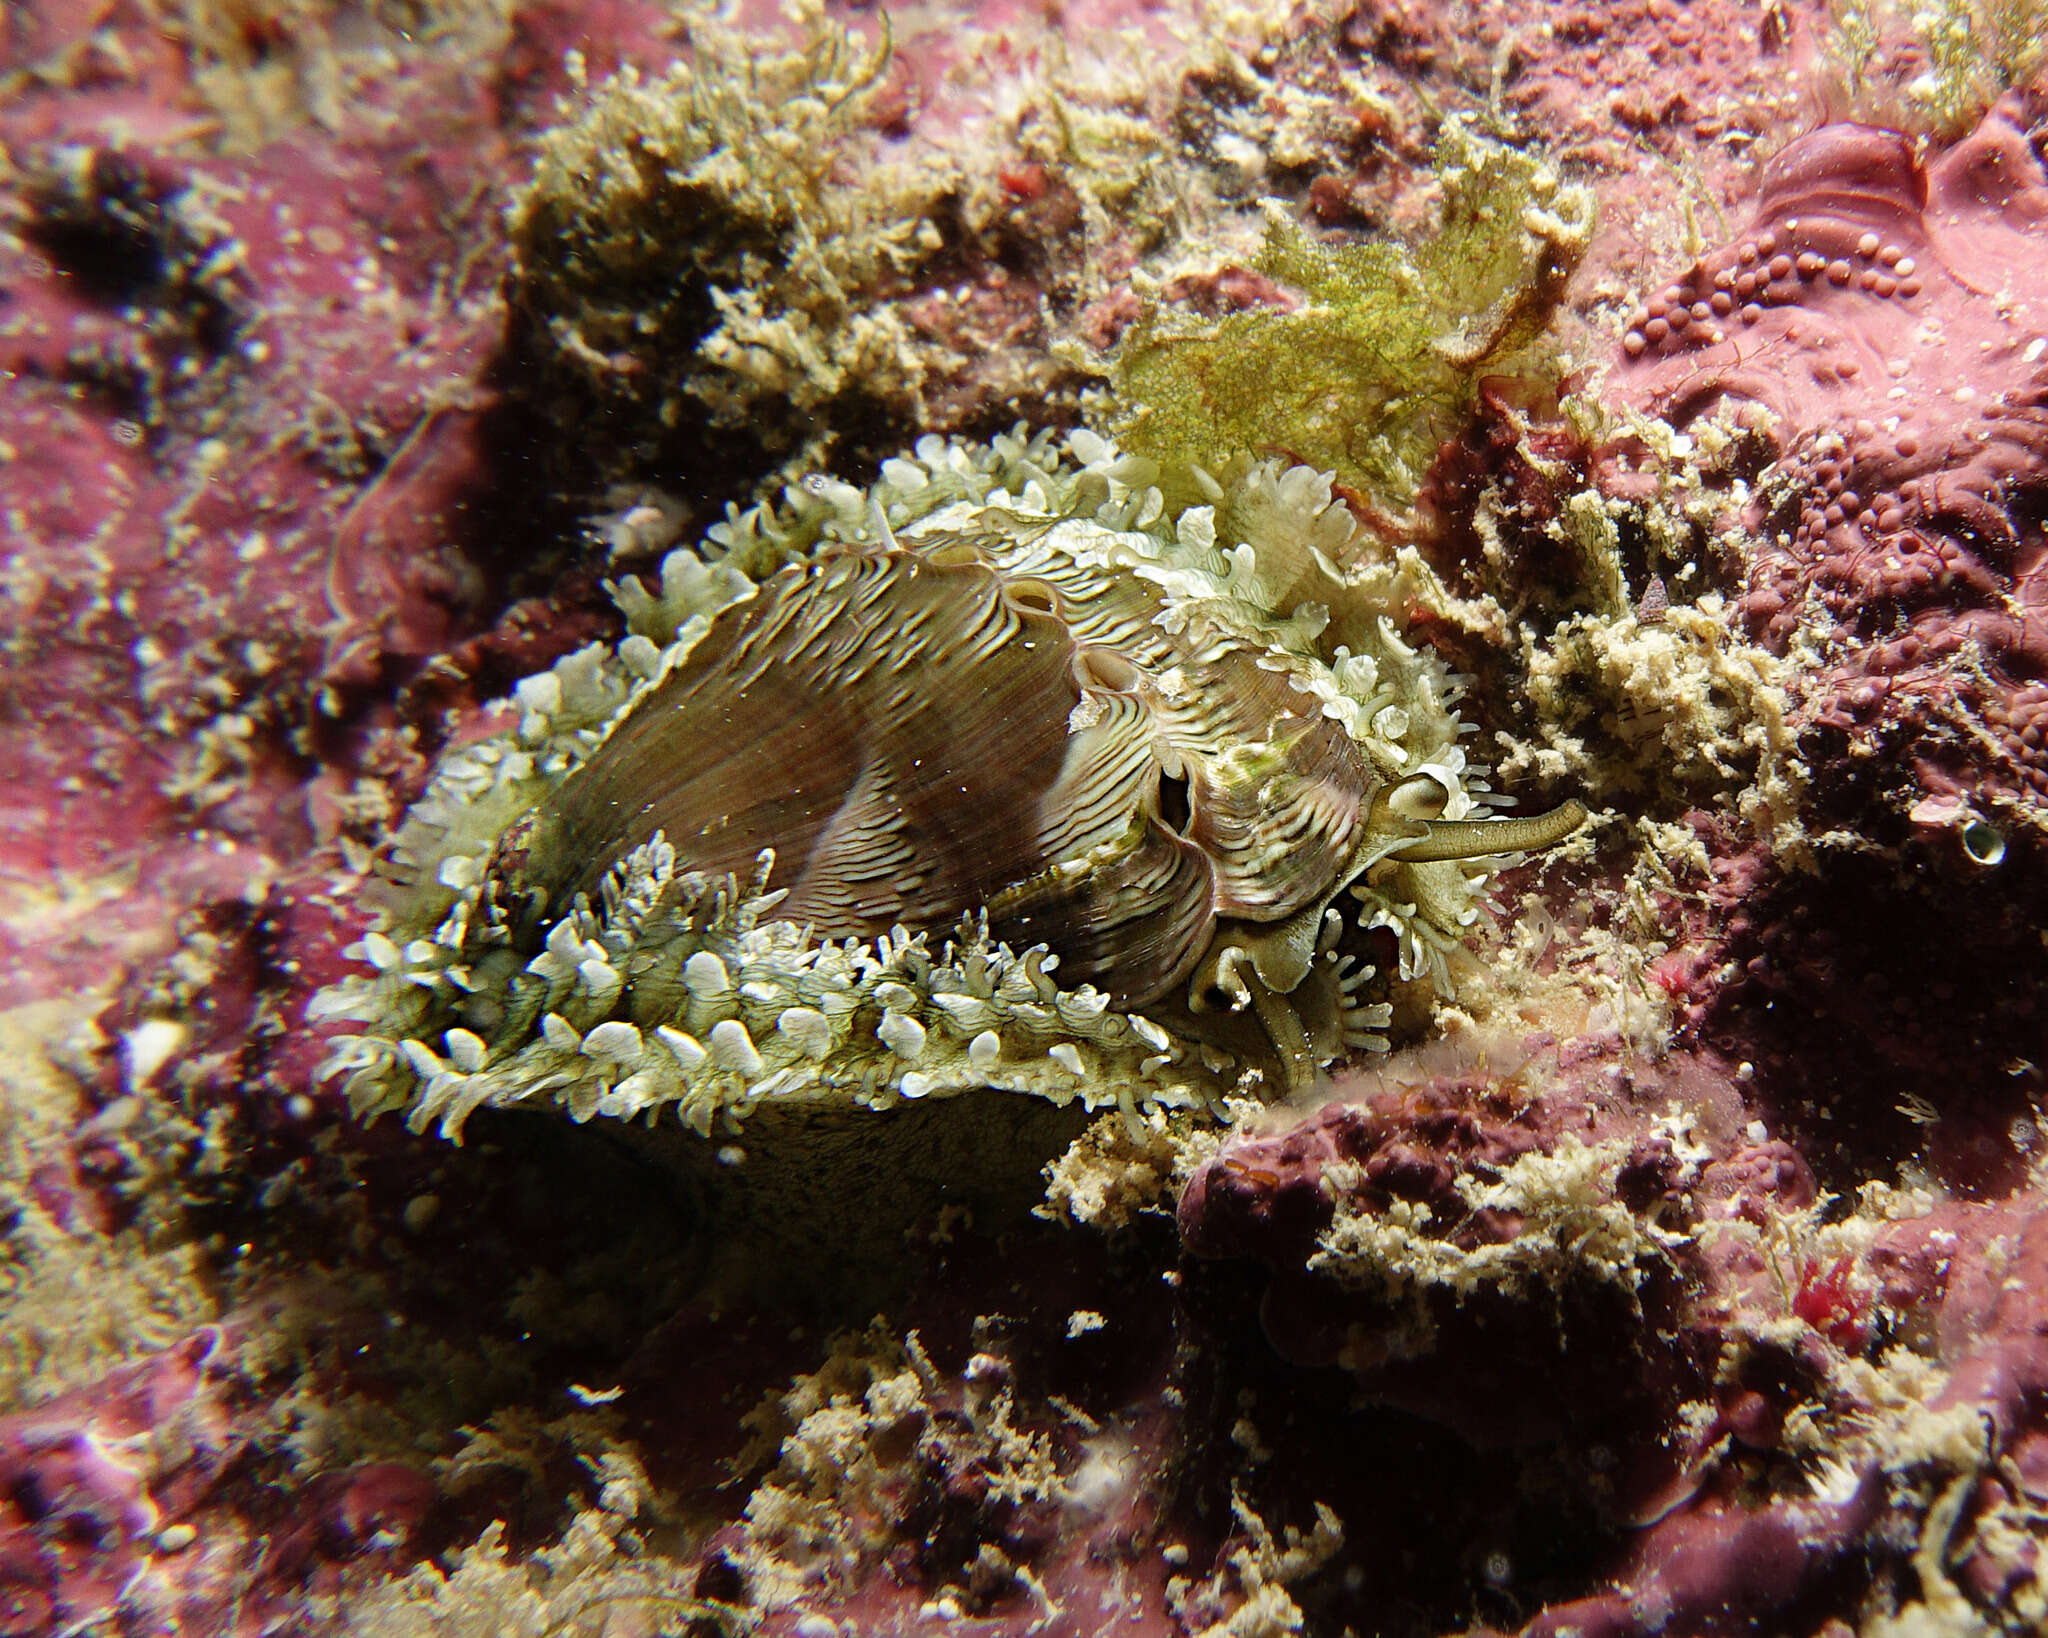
[(1003, 700)]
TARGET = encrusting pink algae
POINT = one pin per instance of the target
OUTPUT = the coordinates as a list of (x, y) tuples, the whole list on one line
[(1205, 821)]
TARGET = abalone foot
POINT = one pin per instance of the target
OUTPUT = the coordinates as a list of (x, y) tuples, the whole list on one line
[(807, 1210)]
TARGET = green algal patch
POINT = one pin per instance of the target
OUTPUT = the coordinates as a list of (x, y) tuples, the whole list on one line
[(1933, 67), (1652, 692), (1628, 676), (606, 1572), (163, 254), (694, 254), (1572, 1229), (1381, 360), (76, 1302), (268, 68), (1249, 1594), (856, 1445)]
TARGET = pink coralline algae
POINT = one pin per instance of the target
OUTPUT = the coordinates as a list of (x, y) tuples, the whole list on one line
[(1882, 321), (1434, 1237), (1721, 1563), (176, 346), (1732, 1321), (1682, 1399), (88, 1507), (135, 1501)]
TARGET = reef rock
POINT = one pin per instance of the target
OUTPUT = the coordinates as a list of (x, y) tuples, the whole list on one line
[(1882, 321)]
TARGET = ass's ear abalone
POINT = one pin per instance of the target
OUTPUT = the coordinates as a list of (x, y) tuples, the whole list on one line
[(1057, 800)]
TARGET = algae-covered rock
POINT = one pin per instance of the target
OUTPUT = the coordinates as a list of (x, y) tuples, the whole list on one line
[(699, 253)]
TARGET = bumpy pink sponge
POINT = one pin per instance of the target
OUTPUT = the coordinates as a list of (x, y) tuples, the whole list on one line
[(1893, 320)]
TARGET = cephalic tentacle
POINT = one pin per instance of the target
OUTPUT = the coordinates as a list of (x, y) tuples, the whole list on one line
[(1478, 838)]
